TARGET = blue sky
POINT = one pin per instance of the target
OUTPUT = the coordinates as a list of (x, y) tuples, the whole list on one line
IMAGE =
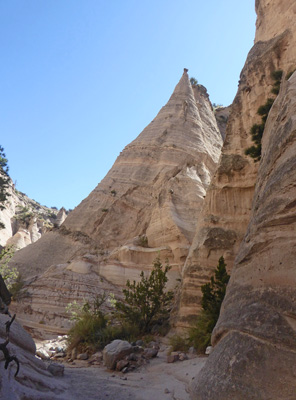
[(80, 79)]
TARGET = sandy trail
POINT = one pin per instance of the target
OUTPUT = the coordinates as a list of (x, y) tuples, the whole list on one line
[(157, 380)]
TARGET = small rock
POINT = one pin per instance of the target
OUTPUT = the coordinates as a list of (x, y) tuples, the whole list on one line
[(209, 350), (121, 364), (82, 356), (172, 358), (56, 369), (153, 345), (183, 357), (140, 343), (192, 351), (59, 355), (166, 390), (97, 357), (42, 353), (132, 357), (150, 353)]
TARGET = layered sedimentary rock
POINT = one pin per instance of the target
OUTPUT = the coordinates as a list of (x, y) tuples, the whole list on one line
[(147, 205), (226, 212), (26, 220), (255, 337)]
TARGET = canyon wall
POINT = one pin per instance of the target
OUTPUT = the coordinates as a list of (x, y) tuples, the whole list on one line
[(25, 220), (255, 337), (227, 207), (147, 205)]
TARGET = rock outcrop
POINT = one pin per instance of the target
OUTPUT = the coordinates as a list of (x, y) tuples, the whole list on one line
[(147, 205), (255, 337), (26, 220), (33, 380), (227, 207)]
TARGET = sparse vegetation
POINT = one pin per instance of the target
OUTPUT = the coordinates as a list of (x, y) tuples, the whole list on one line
[(92, 329), (9, 274), (257, 130), (289, 74), (213, 295), (105, 209), (146, 303), (179, 343), (193, 81), (4, 181)]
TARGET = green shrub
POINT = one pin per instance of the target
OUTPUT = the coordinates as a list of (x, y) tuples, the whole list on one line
[(146, 303), (213, 295), (9, 274), (193, 81), (179, 343)]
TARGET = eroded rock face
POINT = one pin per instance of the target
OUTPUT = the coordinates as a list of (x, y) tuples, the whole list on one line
[(227, 208), (33, 381), (26, 220), (149, 202), (255, 337)]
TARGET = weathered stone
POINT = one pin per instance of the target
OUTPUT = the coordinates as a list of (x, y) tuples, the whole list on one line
[(56, 369), (43, 354), (82, 356), (254, 340), (172, 358), (116, 351), (120, 365), (150, 353)]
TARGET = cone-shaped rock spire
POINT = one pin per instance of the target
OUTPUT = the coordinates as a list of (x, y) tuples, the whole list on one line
[(149, 202)]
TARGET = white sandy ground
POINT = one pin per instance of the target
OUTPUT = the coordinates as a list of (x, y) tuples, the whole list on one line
[(157, 380)]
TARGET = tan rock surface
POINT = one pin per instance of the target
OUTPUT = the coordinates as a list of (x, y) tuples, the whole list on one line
[(255, 337), (227, 208), (33, 381), (25, 219), (149, 202)]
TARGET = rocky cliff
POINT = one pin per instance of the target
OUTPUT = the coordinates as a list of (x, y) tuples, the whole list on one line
[(147, 205), (25, 219), (227, 209), (254, 353)]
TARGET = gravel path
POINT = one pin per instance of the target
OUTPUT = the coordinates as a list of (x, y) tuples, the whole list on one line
[(157, 380)]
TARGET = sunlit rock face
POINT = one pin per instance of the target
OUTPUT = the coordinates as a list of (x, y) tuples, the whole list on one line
[(147, 205), (255, 337), (25, 220), (227, 207)]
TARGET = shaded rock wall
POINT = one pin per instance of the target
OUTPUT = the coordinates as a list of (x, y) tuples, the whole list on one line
[(227, 207), (255, 338)]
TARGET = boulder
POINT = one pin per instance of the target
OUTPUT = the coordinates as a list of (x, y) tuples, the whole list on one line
[(116, 351)]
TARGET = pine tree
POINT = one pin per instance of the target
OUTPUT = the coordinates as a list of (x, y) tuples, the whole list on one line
[(4, 181), (213, 295)]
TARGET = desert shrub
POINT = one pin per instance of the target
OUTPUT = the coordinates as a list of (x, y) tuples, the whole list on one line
[(92, 329), (146, 303), (90, 321), (277, 77), (265, 108), (213, 295), (179, 343)]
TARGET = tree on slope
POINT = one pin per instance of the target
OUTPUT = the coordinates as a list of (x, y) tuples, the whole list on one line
[(4, 181)]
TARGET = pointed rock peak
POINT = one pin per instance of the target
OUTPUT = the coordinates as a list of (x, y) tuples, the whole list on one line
[(184, 86)]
